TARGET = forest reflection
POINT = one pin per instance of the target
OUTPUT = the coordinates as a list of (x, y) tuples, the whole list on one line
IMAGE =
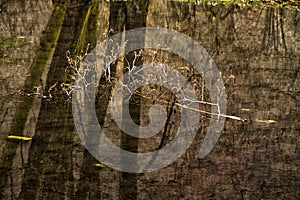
[(255, 49)]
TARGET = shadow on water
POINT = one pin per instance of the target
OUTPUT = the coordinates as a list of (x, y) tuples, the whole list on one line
[(255, 49), (134, 16), (44, 54), (54, 129)]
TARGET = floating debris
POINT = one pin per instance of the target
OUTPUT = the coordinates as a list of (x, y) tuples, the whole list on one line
[(165, 49), (269, 121), (21, 37), (67, 84), (19, 137), (245, 109), (183, 68), (99, 165)]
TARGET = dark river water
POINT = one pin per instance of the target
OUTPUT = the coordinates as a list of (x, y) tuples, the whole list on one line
[(257, 55)]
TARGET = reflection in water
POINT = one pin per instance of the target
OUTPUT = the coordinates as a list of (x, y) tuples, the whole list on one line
[(256, 50)]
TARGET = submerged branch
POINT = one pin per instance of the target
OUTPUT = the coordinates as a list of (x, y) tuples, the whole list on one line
[(196, 110)]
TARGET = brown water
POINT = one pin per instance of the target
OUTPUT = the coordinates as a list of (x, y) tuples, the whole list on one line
[(257, 159)]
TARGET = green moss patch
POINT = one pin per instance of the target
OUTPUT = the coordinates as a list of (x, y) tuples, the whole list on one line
[(288, 4)]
